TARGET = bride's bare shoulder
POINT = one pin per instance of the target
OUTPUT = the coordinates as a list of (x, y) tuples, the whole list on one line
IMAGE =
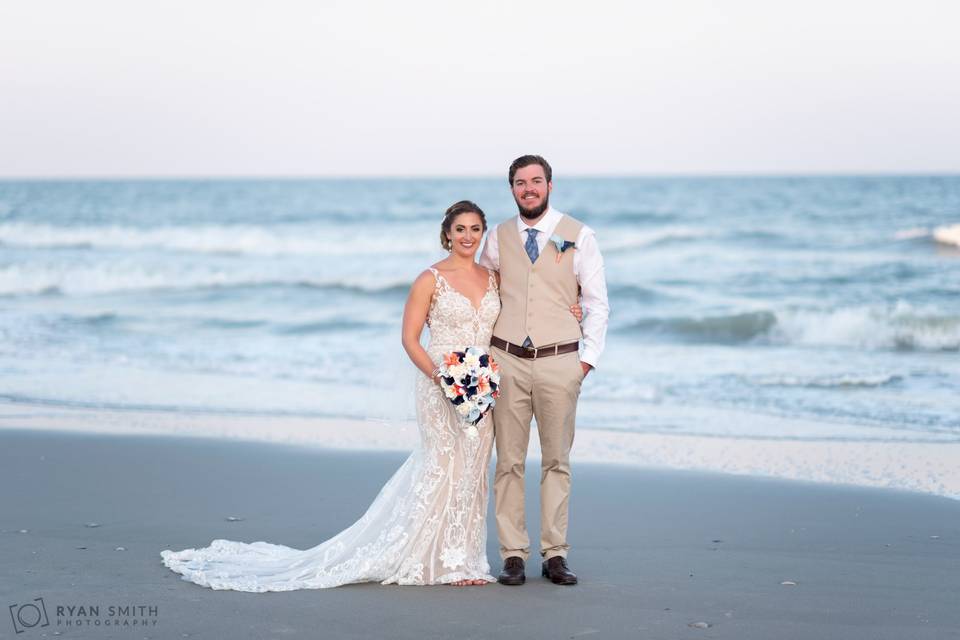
[(427, 278), (421, 291), (442, 265)]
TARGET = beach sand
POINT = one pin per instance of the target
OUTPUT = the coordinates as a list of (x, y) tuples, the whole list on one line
[(927, 467), (656, 550)]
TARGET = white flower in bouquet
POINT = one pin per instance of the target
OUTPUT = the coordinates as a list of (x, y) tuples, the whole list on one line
[(470, 379)]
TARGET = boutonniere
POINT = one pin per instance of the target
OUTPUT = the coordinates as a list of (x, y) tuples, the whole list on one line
[(562, 245)]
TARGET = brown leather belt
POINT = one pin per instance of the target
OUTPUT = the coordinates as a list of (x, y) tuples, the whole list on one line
[(533, 352)]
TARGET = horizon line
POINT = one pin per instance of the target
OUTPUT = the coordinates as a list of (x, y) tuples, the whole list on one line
[(474, 176)]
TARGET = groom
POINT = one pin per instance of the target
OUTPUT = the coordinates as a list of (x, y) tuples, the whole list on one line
[(546, 260)]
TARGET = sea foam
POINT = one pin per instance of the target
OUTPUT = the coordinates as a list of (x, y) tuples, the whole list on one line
[(215, 239), (98, 279), (948, 235)]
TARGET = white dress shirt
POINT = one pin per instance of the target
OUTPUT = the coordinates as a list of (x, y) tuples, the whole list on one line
[(587, 267)]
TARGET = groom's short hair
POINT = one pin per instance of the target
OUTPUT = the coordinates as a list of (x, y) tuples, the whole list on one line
[(526, 161)]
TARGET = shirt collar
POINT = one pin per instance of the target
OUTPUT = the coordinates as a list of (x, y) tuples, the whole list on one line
[(545, 224)]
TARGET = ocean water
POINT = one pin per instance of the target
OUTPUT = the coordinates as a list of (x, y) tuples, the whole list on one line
[(781, 308)]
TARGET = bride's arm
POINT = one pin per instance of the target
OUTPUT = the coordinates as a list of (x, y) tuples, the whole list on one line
[(414, 318)]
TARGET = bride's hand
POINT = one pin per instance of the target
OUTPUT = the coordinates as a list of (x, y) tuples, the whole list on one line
[(577, 312)]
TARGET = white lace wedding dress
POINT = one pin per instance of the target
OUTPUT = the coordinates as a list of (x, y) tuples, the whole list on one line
[(428, 523)]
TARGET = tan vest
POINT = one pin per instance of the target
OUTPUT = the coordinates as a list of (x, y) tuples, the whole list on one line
[(536, 298)]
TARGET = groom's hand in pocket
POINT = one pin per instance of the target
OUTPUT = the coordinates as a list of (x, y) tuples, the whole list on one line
[(586, 368)]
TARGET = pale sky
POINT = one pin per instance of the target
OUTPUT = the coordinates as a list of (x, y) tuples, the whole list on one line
[(289, 88)]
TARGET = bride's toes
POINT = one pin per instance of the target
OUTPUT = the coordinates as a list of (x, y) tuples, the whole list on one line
[(467, 583)]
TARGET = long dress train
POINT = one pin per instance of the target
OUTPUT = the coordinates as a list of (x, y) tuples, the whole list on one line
[(428, 523)]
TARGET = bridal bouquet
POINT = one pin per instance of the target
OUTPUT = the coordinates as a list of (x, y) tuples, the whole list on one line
[(471, 381)]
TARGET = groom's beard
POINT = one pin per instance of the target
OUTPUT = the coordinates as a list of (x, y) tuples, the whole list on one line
[(533, 214)]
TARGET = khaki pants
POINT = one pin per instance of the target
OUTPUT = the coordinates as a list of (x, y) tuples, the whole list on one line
[(545, 388)]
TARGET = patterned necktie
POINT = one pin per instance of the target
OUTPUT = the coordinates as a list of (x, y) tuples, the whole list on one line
[(533, 251), (531, 245)]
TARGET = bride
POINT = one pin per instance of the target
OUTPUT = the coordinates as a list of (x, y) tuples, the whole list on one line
[(428, 523)]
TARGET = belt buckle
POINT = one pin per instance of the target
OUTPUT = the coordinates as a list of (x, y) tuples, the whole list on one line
[(535, 353)]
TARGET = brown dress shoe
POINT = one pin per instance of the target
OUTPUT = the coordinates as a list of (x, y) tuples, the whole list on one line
[(556, 569), (512, 573)]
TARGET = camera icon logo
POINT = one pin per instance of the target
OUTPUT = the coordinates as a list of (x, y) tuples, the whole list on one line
[(29, 615)]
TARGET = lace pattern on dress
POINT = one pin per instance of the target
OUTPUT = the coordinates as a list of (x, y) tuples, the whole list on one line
[(428, 523)]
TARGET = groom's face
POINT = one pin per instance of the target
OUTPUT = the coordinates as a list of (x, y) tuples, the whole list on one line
[(531, 191)]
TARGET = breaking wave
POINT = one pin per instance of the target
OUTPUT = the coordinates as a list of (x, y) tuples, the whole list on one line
[(213, 239), (900, 326)]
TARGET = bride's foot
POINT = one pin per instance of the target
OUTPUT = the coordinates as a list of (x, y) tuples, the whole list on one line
[(469, 583)]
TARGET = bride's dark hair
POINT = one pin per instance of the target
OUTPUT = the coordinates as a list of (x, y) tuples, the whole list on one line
[(464, 206)]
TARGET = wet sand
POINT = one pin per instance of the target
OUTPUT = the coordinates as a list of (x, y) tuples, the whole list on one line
[(656, 550)]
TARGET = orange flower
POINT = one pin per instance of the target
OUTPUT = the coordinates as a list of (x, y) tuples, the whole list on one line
[(451, 359), (483, 385), (457, 389)]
